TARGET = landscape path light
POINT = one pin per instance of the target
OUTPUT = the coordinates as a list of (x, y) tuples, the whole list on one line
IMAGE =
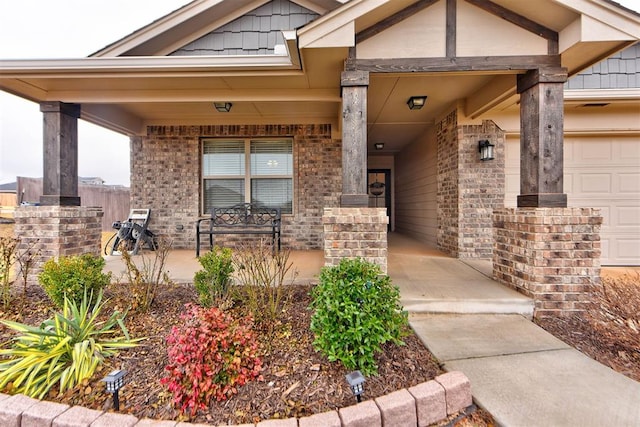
[(114, 382), (356, 381)]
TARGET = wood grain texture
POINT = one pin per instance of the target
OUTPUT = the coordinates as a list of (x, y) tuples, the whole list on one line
[(60, 154), (354, 138), (475, 63)]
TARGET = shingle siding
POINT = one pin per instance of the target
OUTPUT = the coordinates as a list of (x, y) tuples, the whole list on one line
[(255, 33), (620, 71)]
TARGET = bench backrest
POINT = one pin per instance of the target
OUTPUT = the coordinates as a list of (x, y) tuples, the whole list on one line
[(245, 214)]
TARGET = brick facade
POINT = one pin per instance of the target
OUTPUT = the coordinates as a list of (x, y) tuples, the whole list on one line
[(549, 254), (166, 177), (57, 231), (468, 189), (355, 233)]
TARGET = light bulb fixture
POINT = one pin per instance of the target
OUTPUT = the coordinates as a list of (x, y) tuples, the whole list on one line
[(223, 107), (417, 102), (356, 381), (114, 382), (485, 148), (378, 145)]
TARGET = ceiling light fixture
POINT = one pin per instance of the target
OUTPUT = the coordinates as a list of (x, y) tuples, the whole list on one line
[(223, 107), (417, 102)]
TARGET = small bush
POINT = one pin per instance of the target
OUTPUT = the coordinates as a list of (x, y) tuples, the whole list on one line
[(263, 274), (212, 283), (356, 310), (210, 355), (72, 277), (8, 253), (144, 281), (64, 350)]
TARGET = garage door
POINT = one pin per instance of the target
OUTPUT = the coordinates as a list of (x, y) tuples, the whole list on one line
[(600, 172)]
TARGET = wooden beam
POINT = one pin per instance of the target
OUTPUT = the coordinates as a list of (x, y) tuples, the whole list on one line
[(60, 154), (516, 19), (435, 65), (354, 138), (451, 28), (393, 20), (542, 138)]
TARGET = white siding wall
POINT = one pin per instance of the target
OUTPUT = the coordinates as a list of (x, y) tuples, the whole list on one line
[(416, 188)]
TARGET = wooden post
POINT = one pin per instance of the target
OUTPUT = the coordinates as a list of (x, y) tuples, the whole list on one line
[(354, 139), (60, 151), (541, 138)]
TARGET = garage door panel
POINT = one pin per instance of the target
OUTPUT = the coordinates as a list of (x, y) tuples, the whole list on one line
[(592, 183), (568, 183), (629, 153), (629, 183), (605, 255), (628, 216), (625, 247), (593, 153)]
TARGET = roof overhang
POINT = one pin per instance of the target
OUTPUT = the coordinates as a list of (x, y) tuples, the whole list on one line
[(126, 93)]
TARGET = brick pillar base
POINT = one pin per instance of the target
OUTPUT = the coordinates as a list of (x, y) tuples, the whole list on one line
[(58, 231), (355, 233), (549, 254)]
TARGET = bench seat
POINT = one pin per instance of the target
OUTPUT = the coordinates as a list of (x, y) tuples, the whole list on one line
[(244, 218)]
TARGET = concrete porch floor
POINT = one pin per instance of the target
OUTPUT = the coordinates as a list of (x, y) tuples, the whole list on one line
[(429, 280)]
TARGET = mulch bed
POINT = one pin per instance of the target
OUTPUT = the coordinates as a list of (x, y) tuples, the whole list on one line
[(297, 381), (610, 331)]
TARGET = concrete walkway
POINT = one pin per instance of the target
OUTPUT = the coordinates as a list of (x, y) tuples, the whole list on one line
[(521, 374)]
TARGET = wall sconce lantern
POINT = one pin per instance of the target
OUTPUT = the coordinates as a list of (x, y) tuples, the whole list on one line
[(417, 102), (356, 381), (114, 382), (485, 148), (378, 145), (223, 107)]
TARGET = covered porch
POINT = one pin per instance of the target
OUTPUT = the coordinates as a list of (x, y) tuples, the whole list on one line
[(429, 280)]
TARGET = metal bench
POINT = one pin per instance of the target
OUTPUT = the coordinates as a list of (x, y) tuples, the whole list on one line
[(245, 218)]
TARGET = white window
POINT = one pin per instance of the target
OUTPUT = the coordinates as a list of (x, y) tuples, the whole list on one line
[(253, 170)]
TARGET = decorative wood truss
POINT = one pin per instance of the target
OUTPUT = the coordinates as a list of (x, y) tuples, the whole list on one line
[(540, 85)]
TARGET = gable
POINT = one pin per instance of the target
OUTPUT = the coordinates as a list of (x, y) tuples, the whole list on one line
[(478, 33), (258, 32), (199, 18)]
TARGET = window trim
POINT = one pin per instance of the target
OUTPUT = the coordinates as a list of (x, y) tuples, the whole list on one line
[(247, 168)]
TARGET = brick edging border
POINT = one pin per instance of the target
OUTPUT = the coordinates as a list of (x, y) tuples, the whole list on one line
[(421, 405)]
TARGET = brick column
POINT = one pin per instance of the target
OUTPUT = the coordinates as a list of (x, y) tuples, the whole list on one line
[(468, 188), (58, 231), (355, 233), (549, 254)]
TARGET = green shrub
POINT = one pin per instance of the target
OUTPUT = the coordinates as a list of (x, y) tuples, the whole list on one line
[(65, 349), (71, 276), (210, 355), (356, 310), (212, 283)]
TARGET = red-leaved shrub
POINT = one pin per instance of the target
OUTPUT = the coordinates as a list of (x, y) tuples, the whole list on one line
[(210, 355)]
